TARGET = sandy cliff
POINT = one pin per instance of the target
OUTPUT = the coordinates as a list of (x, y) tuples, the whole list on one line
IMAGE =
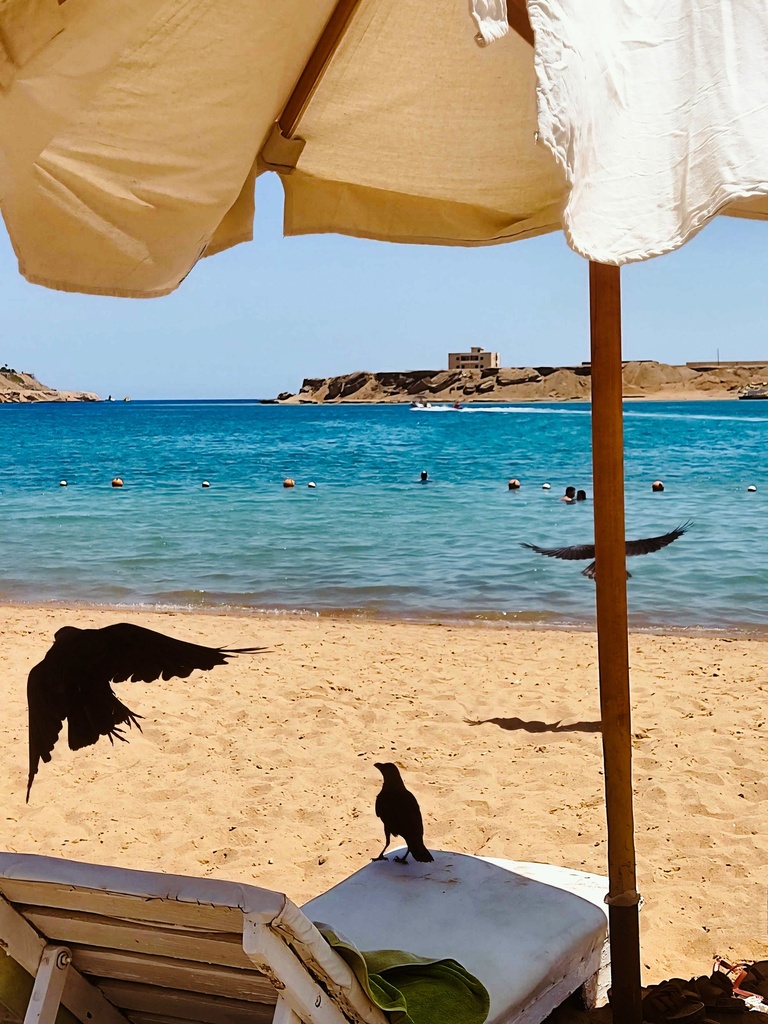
[(23, 387), (644, 379)]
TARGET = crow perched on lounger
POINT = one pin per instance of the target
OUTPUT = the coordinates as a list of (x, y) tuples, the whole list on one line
[(633, 547), (399, 811), (72, 682)]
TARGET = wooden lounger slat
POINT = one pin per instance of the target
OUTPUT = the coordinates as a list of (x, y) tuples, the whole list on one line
[(69, 926), (187, 1006), (166, 972), (194, 916), (139, 1017)]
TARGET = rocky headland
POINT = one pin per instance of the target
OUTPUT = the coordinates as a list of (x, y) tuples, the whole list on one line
[(642, 379), (24, 387)]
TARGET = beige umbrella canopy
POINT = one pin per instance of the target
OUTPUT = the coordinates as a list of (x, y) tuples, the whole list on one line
[(131, 136)]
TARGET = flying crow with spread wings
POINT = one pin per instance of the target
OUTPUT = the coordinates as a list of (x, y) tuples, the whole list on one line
[(72, 682), (400, 814), (633, 547)]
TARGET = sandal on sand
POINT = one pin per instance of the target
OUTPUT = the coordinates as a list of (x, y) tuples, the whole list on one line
[(756, 979), (669, 1003), (747, 979)]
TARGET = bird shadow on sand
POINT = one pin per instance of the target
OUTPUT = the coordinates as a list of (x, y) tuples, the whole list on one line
[(515, 724)]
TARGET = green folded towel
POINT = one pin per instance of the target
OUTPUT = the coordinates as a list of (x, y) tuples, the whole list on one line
[(414, 989)]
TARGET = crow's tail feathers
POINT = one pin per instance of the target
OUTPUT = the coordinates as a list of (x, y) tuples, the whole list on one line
[(34, 762), (420, 853), (230, 652), (589, 572)]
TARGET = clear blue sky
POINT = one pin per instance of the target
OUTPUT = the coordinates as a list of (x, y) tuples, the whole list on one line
[(257, 319)]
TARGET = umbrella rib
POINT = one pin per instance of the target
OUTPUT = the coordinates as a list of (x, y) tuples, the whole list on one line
[(328, 43), (313, 72), (517, 16)]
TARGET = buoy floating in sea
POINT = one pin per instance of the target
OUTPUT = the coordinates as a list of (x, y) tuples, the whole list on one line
[(62, 483), (311, 484), (657, 485), (546, 487), (117, 482), (513, 484), (751, 487), (206, 484), (289, 482)]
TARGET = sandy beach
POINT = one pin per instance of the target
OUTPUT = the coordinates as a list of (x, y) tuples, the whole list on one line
[(262, 770)]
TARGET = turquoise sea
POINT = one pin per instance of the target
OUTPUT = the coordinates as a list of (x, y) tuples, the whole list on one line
[(370, 538)]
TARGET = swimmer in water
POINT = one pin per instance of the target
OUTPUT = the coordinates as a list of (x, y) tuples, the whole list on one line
[(570, 495), (424, 476), (581, 495)]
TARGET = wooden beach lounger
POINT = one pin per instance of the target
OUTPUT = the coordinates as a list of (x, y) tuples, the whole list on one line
[(112, 945)]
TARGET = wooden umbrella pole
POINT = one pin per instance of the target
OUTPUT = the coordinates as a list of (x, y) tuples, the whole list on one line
[(612, 639)]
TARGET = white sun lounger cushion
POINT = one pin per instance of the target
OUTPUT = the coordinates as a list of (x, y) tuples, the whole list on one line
[(523, 929)]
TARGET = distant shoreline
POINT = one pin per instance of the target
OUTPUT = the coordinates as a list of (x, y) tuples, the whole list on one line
[(17, 387), (405, 402), (667, 396), (646, 379)]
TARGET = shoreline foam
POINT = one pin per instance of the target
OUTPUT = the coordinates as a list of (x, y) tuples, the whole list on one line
[(536, 620)]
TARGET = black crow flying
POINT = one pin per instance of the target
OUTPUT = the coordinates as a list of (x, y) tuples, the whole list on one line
[(633, 547), (72, 682), (399, 811)]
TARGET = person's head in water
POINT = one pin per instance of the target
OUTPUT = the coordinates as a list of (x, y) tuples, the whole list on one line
[(570, 495), (657, 485), (581, 495), (514, 484), (424, 476)]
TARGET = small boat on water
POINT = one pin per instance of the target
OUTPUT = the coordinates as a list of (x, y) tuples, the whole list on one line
[(419, 403), (753, 392)]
